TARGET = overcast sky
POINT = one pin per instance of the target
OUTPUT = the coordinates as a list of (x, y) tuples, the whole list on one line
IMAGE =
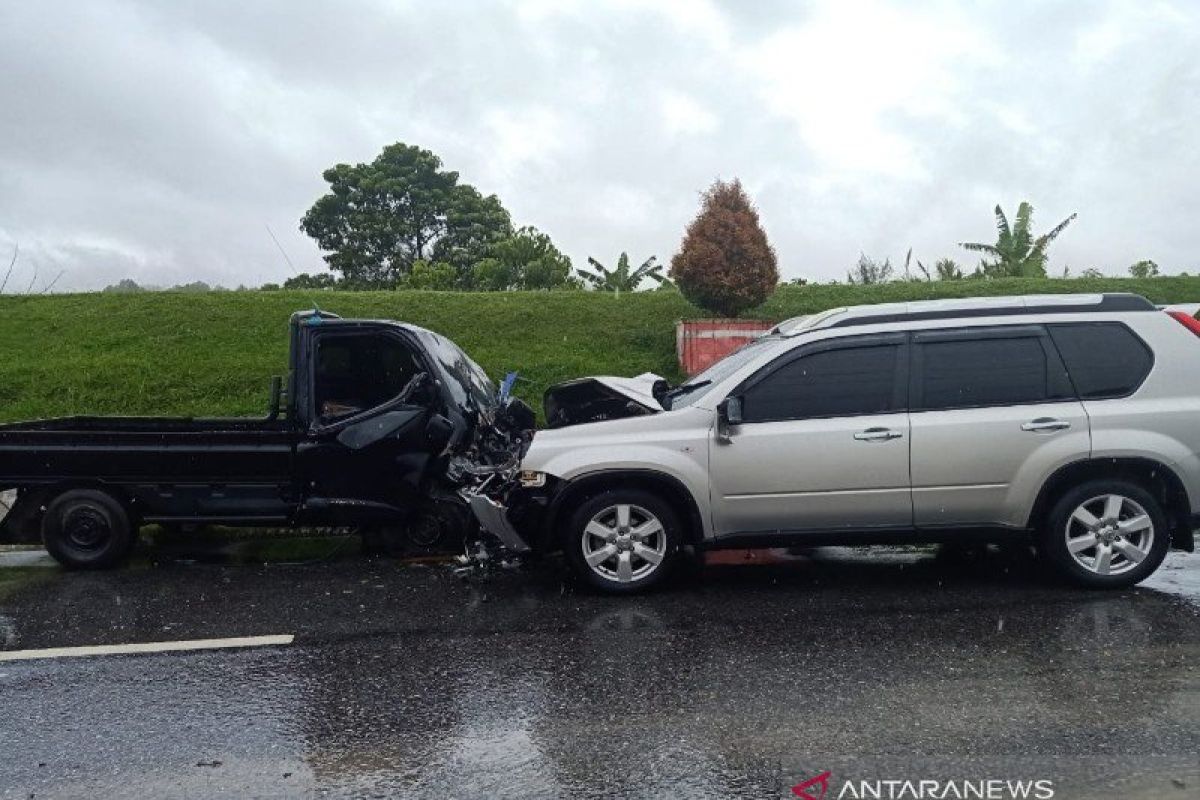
[(159, 140)]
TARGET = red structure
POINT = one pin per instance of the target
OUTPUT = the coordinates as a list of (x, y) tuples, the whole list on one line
[(701, 342)]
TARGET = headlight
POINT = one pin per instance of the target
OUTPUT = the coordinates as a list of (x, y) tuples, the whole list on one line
[(531, 479)]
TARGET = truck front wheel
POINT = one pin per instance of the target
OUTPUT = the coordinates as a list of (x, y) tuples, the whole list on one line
[(87, 529)]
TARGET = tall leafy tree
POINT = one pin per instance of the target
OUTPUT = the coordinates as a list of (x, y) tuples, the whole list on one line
[(525, 260), (1016, 253), (622, 278), (725, 263), (380, 217)]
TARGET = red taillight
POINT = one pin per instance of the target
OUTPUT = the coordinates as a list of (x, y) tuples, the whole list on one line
[(1187, 320)]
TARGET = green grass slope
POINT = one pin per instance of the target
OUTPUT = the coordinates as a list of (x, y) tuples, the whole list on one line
[(213, 354)]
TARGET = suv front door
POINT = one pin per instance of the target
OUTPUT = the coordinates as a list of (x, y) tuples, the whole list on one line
[(823, 443), (993, 415)]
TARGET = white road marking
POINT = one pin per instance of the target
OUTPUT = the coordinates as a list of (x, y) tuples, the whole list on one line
[(145, 647)]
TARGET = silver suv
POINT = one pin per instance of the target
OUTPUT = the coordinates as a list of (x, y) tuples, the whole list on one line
[(1071, 419)]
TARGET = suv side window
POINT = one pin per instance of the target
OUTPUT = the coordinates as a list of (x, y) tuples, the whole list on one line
[(1105, 359), (991, 368), (841, 382)]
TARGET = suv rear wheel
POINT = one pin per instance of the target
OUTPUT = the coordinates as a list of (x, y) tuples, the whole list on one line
[(623, 540), (1107, 534)]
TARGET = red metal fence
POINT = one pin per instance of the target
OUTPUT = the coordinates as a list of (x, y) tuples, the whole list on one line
[(701, 342)]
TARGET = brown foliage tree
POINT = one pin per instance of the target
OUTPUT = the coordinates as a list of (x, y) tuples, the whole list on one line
[(725, 263)]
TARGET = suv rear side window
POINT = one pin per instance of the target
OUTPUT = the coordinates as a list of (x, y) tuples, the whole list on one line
[(988, 371), (1105, 359), (831, 383)]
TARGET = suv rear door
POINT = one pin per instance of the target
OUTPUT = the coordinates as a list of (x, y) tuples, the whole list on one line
[(823, 444), (993, 415)]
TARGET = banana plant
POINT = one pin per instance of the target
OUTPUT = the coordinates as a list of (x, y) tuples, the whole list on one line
[(622, 278), (1016, 254)]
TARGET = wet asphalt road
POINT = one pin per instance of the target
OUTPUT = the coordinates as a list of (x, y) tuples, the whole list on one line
[(734, 681)]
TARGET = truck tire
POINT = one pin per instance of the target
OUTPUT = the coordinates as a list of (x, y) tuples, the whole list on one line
[(1106, 534), (87, 529), (623, 540)]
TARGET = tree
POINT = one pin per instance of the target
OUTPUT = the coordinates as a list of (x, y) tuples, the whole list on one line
[(123, 286), (474, 224), (1016, 254), (322, 280), (379, 218), (725, 263), (622, 279), (1144, 269), (868, 271), (525, 260), (438, 276)]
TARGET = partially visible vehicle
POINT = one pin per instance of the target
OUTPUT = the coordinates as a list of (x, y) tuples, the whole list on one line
[(382, 427), (1072, 421)]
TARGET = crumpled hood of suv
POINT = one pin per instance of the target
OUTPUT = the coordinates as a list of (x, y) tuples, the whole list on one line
[(603, 397)]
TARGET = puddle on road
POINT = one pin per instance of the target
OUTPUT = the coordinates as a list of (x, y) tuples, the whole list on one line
[(1179, 575)]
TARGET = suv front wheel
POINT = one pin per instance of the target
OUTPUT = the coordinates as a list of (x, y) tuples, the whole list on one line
[(622, 540), (1107, 534)]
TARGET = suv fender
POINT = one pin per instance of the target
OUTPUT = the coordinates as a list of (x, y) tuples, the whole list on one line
[(1156, 477), (571, 493)]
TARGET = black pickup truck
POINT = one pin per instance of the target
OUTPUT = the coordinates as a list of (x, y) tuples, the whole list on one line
[(382, 425)]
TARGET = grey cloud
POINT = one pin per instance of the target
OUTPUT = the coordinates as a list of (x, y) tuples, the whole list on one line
[(158, 140)]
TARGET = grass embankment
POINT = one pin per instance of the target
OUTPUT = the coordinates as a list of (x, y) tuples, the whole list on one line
[(213, 354)]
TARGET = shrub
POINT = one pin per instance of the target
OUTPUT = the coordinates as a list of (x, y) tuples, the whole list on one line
[(725, 263), (525, 260), (436, 275)]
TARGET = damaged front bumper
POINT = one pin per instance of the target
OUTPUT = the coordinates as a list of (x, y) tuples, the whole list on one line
[(492, 516)]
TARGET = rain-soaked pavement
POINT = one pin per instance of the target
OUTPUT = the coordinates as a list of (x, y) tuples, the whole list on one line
[(737, 680)]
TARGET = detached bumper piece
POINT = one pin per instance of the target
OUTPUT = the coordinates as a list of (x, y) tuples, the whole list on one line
[(493, 518)]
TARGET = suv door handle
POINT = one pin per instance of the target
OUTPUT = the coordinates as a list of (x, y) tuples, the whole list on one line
[(877, 435), (1045, 424)]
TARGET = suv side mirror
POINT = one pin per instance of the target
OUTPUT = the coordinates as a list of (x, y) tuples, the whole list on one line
[(733, 410), (729, 412)]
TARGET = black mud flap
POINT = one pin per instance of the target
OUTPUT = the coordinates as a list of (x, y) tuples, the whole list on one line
[(22, 522), (1184, 537)]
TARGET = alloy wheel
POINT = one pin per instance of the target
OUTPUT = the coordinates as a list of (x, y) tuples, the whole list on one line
[(624, 543), (1109, 534)]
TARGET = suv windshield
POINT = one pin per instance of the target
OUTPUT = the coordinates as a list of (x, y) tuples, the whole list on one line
[(467, 381), (702, 383)]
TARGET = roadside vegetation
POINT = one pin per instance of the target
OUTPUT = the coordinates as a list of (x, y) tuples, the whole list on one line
[(406, 239), (213, 353)]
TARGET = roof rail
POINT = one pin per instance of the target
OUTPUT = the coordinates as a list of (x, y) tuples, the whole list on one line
[(966, 307)]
